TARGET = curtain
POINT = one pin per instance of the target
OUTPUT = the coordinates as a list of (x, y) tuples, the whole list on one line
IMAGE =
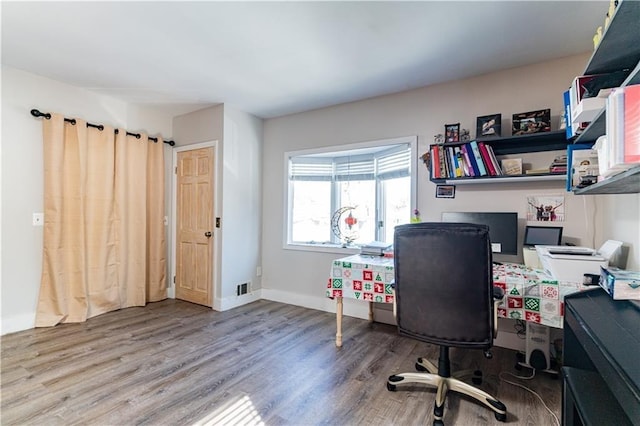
[(104, 245)]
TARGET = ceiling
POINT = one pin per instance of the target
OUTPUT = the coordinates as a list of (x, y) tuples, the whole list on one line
[(277, 58)]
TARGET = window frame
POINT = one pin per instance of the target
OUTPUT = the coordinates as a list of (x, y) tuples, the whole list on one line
[(412, 141)]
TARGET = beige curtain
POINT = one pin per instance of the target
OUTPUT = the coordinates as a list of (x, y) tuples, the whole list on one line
[(104, 237)]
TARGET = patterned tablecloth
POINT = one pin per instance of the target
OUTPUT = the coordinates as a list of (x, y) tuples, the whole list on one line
[(530, 294)]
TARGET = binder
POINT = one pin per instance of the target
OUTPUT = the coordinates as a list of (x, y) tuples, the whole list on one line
[(632, 124)]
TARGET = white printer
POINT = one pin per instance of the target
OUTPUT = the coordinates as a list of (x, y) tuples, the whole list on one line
[(570, 263)]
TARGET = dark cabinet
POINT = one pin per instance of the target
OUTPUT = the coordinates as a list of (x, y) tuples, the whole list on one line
[(601, 364)]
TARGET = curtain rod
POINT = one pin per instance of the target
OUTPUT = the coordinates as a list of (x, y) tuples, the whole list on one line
[(37, 113)]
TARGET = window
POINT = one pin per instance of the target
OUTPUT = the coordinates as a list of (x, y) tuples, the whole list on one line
[(350, 195)]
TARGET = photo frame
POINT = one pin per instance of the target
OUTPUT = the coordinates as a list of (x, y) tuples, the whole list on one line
[(545, 208), (511, 166), (488, 126), (452, 132), (445, 191), (531, 122)]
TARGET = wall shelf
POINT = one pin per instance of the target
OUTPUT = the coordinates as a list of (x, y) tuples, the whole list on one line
[(521, 144), (618, 50), (504, 179), (624, 183), (535, 142)]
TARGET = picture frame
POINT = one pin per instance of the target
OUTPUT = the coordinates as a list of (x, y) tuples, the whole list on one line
[(531, 122), (488, 126), (511, 166), (452, 132), (445, 191)]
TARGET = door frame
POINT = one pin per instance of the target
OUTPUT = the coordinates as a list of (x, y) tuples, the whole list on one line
[(216, 198)]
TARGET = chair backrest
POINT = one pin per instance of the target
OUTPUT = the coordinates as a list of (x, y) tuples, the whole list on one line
[(444, 286)]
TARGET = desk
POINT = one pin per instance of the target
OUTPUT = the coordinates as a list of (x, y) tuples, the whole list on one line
[(530, 294)]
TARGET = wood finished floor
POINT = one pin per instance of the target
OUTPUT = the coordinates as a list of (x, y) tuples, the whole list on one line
[(174, 363)]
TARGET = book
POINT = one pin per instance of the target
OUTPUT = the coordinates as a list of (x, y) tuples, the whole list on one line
[(536, 171), (457, 170), (567, 115), (443, 164), (478, 157), (375, 248), (465, 153), (615, 132), (435, 162), (494, 160), (464, 166), (486, 159)]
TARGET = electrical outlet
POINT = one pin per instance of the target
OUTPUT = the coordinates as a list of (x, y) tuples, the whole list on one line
[(38, 219), (259, 271)]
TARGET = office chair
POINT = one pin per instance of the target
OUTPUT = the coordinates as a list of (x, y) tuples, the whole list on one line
[(445, 296)]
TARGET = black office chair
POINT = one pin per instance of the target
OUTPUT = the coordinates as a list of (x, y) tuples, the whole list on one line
[(445, 296)]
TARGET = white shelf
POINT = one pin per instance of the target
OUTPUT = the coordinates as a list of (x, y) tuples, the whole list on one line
[(506, 179)]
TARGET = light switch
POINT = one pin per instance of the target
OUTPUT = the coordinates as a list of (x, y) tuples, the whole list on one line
[(38, 219)]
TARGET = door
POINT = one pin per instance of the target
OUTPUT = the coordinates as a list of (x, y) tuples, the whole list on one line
[(194, 236)]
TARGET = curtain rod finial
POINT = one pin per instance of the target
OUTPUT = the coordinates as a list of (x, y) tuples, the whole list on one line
[(37, 113)]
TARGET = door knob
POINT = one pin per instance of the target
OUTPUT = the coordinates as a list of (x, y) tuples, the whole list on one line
[(207, 234)]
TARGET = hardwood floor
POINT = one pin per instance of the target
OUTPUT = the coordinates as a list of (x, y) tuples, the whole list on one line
[(174, 363)]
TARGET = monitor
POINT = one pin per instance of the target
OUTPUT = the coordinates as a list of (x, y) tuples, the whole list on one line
[(503, 227), (542, 235)]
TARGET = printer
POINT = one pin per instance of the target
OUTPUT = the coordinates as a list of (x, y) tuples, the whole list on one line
[(570, 263)]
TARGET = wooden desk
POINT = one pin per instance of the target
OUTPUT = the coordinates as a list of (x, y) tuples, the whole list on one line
[(530, 294)]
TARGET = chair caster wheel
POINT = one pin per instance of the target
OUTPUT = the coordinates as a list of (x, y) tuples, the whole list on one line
[(420, 367), (438, 423), (501, 417), (391, 387)]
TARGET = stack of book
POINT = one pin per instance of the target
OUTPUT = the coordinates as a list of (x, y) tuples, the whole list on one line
[(471, 159), (586, 98), (559, 165), (375, 248)]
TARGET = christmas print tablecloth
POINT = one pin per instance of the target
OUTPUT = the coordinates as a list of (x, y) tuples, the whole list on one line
[(530, 294), (361, 277)]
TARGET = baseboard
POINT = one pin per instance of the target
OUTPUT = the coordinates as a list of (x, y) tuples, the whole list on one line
[(351, 308), (235, 301), (18, 323)]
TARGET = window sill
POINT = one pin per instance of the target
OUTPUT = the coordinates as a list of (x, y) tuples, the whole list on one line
[(323, 248)]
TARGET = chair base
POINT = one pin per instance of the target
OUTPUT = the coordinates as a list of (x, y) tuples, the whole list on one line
[(444, 385)]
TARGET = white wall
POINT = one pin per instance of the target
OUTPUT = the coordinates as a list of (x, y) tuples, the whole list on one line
[(239, 137), (242, 202), (22, 174), (300, 276)]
